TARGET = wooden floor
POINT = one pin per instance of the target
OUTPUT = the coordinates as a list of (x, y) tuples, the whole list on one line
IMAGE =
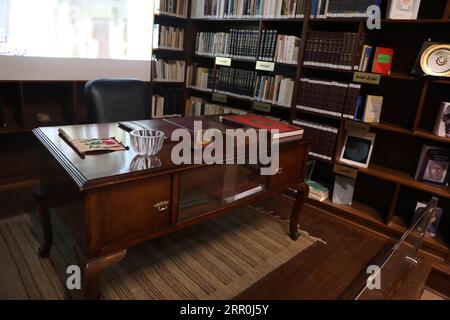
[(321, 271), (327, 271)]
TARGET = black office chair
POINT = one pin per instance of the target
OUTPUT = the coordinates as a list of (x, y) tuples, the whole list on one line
[(112, 100)]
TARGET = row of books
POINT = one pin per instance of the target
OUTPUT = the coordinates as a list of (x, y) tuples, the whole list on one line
[(196, 106), (237, 81), (167, 102), (334, 98), (287, 49), (337, 50), (341, 8), (323, 138), (231, 9), (171, 7), (243, 44), (240, 44), (277, 90), (166, 37), (200, 77), (168, 70), (268, 43)]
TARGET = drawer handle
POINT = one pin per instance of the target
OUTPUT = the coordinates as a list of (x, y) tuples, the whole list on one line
[(280, 171), (161, 206)]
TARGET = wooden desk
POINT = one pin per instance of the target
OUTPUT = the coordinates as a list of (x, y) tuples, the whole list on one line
[(112, 201)]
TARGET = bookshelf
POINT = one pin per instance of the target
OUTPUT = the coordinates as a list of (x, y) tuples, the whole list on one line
[(407, 119), (406, 123)]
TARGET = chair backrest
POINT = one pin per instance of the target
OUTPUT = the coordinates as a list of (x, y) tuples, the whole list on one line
[(111, 100)]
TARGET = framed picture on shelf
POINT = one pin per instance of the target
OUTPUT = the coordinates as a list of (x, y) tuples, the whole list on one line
[(403, 9), (357, 148), (434, 164)]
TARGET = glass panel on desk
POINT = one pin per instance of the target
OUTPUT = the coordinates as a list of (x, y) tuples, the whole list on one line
[(213, 187)]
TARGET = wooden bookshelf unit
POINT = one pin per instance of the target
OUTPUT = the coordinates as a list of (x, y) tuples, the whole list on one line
[(386, 192)]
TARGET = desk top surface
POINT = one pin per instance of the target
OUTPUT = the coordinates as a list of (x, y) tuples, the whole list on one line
[(109, 167)]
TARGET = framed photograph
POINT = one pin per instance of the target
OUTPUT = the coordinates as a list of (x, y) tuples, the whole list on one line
[(434, 165), (357, 148)]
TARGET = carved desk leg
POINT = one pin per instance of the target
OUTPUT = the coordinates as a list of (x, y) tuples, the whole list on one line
[(94, 269), (41, 203), (302, 195)]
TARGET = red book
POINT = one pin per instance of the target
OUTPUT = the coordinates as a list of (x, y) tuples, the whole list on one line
[(382, 61), (260, 122)]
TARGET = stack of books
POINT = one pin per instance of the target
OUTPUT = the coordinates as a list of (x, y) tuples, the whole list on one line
[(238, 9), (200, 77), (240, 44), (196, 106), (334, 50), (317, 191), (323, 138), (237, 81), (176, 8), (168, 70), (169, 38), (287, 49), (277, 90)]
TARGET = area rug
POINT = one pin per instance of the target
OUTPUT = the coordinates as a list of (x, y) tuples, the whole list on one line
[(216, 259)]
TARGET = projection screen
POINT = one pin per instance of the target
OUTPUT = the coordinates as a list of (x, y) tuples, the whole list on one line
[(75, 39)]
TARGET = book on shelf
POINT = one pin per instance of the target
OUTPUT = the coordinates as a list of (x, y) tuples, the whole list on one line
[(323, 138), (287, 49), (260, 122), (403, 9), (442, 125), (434, 222), (342, 8), (237, 81), (433, 166), (372, 109), (336, 50), (176, 8), (343, 190), (196, 106), (239, 9), (167, 102), (366, 56), (200, 77), (167, 70), (352, 101), (382, 60), (166, 37), (274, 89), (333, 98), (267, 47)]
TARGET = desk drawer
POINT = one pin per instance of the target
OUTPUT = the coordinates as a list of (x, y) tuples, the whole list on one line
[(133, 208), (290, 167)]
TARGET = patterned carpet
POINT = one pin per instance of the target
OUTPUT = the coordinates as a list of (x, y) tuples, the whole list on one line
[(214, 260)]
